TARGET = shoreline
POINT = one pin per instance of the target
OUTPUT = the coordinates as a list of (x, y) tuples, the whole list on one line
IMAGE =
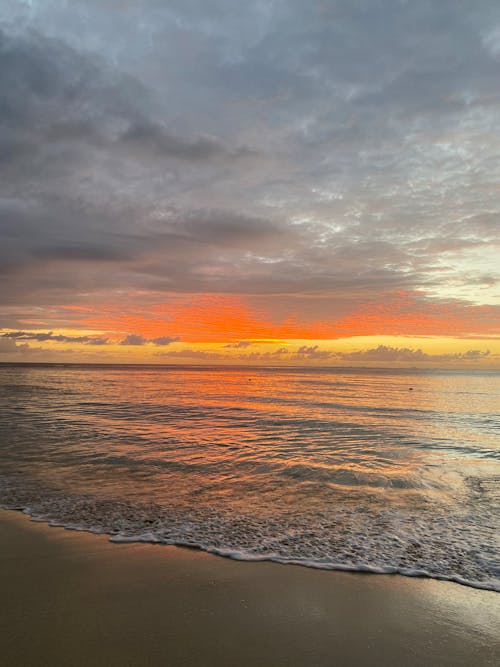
[(75, 598), (329, 567), (334, 567)]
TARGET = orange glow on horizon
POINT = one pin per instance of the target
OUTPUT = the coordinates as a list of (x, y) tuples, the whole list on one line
[(405, 329), (229, 318)]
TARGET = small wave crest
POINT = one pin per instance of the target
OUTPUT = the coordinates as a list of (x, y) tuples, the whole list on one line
[(350, 538)]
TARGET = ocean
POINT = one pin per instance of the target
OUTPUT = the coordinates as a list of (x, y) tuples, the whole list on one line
[(351, 469)]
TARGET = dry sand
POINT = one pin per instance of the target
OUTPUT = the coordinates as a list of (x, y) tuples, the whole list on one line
[(75, 599)]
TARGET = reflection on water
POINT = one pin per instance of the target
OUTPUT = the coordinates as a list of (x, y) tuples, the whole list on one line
[(329, 468)]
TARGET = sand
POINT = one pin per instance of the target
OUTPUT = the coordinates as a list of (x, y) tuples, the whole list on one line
[(71, 598)]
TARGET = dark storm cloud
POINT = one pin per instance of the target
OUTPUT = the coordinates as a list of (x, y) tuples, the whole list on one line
[(267, 148)]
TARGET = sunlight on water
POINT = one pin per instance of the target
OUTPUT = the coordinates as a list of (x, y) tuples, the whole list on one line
[(378, 470)]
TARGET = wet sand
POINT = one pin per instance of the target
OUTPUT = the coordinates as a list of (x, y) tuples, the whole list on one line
[(71, 598)]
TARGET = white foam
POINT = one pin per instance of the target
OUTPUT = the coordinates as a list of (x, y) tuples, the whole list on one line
[(349, 539)]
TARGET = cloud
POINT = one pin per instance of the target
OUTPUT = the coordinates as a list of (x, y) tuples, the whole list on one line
[(133, 339), (50, 336), (293, 152), (241, 344), (194, 354), (314, 354), (136, 339), (164, 340), (472, 354), (156, 140), (384, 353), (83, 253)]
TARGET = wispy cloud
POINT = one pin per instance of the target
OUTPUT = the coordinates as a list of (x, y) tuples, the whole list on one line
[(50, 336)]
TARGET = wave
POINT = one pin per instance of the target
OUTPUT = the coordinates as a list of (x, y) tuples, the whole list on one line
[(356, 539)]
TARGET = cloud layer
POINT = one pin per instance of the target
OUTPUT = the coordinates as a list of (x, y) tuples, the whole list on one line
[(319, 159)]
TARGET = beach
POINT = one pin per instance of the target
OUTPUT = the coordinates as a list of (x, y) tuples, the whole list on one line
[(74, 598), (249, 334)]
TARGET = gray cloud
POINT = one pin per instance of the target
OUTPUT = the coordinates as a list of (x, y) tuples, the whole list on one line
[(79, 253), (49, 336), (155, 140), (325, 148), (314, 353), (241, 344), (164, 340), (136, 339), (384, 353), (133, 339), (41, 337)]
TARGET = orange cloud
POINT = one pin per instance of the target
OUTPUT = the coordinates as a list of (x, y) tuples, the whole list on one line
[(227, 318)]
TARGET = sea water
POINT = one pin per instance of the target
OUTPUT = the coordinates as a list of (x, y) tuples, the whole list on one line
[(368, 470)]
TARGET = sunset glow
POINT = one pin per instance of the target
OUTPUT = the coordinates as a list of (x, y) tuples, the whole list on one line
[(299, 188)]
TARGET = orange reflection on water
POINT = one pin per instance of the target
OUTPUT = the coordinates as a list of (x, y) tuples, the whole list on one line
[(251, 425), (281, 433)]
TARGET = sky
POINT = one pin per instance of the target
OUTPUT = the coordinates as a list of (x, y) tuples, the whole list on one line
[(270, 182)]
